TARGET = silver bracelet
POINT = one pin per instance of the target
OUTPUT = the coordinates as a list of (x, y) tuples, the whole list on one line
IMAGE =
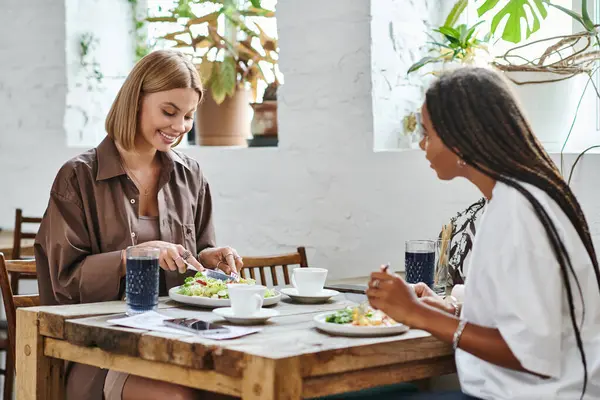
[(456, 310), (458, 333)]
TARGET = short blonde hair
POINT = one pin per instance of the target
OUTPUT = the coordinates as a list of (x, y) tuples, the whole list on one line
[(158, 71)]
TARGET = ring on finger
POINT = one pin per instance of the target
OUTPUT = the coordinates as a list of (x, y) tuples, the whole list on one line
[(219, 263), (178, 258), (376, 283), (186, 254)]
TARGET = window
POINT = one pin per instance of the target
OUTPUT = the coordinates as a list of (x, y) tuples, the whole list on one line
[(585, 131), (157, 8)]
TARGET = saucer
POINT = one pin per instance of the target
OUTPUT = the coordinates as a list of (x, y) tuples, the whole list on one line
[(320, 297), (260, 316)]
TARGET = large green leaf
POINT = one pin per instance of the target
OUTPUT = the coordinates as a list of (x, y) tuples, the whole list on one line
[(515, 10), (422, 62), (449, 32), (455, 13), (228, 75), (217, 85)]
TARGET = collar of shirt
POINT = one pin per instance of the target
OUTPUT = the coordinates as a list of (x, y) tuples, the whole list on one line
[(109, 160)]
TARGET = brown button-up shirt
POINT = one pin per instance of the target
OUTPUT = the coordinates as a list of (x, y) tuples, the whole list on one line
[(93, 214)]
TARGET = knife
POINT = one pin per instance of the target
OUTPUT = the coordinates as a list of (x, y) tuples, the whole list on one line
[(211, 273)]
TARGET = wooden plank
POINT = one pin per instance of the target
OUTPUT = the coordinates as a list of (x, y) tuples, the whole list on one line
[(415, 346), (367, 378), (274, 276), (290, 259), (206, 380), (266, 379), (38, 376), (52, 318)]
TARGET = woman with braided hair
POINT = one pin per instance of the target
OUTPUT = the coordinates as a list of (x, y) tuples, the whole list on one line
[(529, 327)]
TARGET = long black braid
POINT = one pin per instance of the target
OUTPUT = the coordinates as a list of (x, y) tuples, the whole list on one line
[(475, 115)]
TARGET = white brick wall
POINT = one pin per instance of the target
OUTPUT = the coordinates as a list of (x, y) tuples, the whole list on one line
[(324, 187)]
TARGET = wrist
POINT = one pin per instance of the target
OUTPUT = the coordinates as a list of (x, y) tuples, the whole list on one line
[(420, 316)]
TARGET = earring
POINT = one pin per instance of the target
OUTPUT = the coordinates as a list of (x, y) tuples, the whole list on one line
[(461, 163)]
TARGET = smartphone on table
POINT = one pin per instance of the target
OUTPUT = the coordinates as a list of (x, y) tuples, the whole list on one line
[(195, 325)]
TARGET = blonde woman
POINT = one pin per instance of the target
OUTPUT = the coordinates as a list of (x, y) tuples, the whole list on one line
[(133, 189)]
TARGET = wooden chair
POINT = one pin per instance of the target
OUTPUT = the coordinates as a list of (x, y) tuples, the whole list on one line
[(11, 303), (19, 235), (271, 263)]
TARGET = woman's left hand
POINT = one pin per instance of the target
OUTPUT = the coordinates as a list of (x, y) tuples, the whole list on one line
[(392, 295), (224, 258)]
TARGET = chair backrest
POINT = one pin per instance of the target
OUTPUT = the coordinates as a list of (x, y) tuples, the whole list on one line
[(19, 234), (271, 263), (12, 302)]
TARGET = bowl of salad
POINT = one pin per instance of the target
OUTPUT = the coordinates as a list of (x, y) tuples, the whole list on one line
[(355, 321), (203, 291)]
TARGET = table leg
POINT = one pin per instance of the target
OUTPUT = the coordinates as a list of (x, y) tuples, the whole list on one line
[(268, 379), (38, 377)]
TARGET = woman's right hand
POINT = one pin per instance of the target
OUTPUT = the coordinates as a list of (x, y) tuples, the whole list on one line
[(171, 256)]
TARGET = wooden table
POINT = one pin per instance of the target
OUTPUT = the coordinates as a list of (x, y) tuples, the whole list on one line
[(288, 359)]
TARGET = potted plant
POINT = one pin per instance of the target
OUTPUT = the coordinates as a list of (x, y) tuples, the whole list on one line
[(264, 122), (459, 44), (233, 53), (551, 83)]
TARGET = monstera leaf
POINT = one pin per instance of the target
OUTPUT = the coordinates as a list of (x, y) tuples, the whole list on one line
[(515, 10)]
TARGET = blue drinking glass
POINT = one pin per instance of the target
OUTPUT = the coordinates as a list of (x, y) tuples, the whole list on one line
[(141, 282), (419, 261)]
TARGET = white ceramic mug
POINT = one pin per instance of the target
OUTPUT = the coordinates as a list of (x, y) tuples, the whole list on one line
[(246, 300), (309, 281)]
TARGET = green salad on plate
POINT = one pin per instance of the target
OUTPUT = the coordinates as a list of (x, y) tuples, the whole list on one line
[(202, 286)]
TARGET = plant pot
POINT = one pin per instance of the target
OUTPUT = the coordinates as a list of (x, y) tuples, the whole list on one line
[(549, 106), (225, 124), (264, 121)]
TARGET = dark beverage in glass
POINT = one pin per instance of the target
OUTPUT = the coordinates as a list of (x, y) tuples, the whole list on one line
[(419, 261), (141, 282)]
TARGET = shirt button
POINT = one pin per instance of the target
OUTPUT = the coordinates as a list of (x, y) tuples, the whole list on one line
[(132, 234), (132, 201)]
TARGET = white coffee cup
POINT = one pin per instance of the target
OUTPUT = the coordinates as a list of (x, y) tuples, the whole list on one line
[(246, 300), (309, 281)]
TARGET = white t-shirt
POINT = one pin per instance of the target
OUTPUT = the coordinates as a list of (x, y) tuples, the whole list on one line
[(514, 284)]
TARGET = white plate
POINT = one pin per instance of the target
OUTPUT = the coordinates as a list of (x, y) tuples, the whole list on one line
[(261, 316), (322, 297), (213, 303), (351, 330)]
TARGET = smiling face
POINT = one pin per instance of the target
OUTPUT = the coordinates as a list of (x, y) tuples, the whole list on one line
[(165, 117), (443, 161)]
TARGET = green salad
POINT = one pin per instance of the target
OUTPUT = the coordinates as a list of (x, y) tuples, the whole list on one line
[(203, 286), (352, 316)]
